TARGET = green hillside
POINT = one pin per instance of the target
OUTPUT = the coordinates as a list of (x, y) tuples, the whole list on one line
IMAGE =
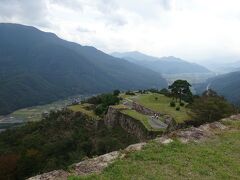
[(227, 85), (215, 158), (161, 104), (56, 142), (38, 67)]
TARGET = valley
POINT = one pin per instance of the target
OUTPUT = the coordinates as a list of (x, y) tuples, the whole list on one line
[(78, 102), (35, 113)]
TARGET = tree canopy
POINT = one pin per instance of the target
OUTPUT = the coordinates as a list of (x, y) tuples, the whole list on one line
[(180, 89), (210, 107)]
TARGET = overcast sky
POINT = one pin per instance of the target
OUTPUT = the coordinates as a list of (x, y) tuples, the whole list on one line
[(192, 29)]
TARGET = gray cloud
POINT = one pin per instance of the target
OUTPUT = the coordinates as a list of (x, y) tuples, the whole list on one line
[(74, 5), (84, 30), (25, 11), (186, 28)]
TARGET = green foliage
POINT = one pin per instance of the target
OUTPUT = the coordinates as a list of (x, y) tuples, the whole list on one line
[(180, 89), (178, 108), (116, 92), (100, 109), (142, 91), (102, 102), (153, 90), (227, 85), (165, 92), (59, 140), (130, 93), (210, 107), (172, 104), (182, 104)]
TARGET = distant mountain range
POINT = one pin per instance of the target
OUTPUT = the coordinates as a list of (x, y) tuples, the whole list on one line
[(224, 67), (164, 65), (227, 85), (38, 67)]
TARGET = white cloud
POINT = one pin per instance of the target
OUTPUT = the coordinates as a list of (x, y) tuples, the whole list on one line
[(191, 29)]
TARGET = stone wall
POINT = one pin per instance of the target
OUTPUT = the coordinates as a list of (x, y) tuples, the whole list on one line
[(146, 111), (132, 126), (143, 110)]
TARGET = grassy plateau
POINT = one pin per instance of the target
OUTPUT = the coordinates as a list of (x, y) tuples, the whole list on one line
[(161, 103)]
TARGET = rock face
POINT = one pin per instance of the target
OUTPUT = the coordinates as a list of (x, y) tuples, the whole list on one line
[(96, 165), (53, 175), (130, 125), (198, 134), (146, 111), (143, 110), (89, 166)]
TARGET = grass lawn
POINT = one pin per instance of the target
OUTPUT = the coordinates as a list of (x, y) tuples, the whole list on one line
[(124, 96), (162, 104), (136, 115), (81, 108), (216, 158)]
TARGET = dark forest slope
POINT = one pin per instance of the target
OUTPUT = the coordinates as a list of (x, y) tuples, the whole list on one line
[(38, 67)]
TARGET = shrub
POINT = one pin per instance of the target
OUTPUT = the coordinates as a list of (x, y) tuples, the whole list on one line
[(116, 92), (178, 108), (172, 104), (94, 100), (153, 90), (182, 104), (130, 93), (100, 109), (209, 108), (165, 92)]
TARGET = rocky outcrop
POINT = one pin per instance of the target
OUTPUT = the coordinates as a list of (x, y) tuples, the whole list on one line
[(143, 110), (53, 175), (171, 123), (94, 165), (132, 126), (89, 166)]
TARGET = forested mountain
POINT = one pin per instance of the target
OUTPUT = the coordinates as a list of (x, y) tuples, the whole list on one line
[(227, 85), (38, 67), (165, 65)]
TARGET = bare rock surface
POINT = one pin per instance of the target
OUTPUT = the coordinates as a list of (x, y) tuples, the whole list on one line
[(200, 133), (95, 165), (135, 147), (53, 175), (163, 140)]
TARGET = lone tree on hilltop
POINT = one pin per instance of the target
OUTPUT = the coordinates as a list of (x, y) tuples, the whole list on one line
[(180, 89)]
